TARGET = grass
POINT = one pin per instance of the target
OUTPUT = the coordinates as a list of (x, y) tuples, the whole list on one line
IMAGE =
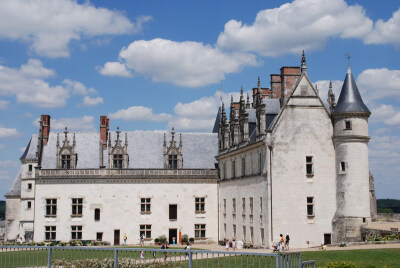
[(362, 258)]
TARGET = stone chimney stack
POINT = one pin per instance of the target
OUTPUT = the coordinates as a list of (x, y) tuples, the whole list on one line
[(276, 87), (45, 125), (104, 127), (289, 77)]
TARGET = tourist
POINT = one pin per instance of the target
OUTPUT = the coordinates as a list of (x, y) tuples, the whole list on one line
[(187, 249), (141, 256), (234, 245), (125, 239), (165, 246), (287, 241), (282, 242), (142, 240), (227, 245)]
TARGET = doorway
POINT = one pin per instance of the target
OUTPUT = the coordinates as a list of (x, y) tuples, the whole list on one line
[(173, 233), (116, 237), (327, 239)]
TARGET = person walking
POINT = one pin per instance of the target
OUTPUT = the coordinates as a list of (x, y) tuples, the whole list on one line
[(165, 246), (227, 245), (125, 239), (287, 241), (282, 242), (234, 245), (142, 240)]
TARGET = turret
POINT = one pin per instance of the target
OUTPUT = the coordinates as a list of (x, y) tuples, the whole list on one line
[(350, 119)]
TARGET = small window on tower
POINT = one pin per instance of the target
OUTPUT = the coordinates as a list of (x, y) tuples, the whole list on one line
[(343, 167), (347, 125), (29, 186), (309, 166), (30, 168)]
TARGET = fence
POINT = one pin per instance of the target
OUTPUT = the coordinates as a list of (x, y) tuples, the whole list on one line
[(75, 257)]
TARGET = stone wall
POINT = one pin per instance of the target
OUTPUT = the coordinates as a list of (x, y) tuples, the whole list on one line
[(389, 217)]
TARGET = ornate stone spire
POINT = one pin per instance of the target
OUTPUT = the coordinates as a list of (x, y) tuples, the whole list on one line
[(74, 140), (303, 63), (331, 98), (66, 142), (173, 142), (248, 101)]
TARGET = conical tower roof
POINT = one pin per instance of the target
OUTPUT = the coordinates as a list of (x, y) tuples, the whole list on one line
[(350, 100), (217, 121)]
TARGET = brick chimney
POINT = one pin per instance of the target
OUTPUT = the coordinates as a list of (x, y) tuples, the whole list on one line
[(104, 127), (45, 125), (289, 77), (276, 87)]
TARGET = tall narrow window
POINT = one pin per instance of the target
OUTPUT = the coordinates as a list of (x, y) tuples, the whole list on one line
[(51, 207), (260, 163), (173, 212), (261, 209), (200, 231), (233, 169), (243, 208), (30, 168), (66, 161), (243, 167), (29, 205), (262, 236), (200, 205), (50, 233), (145, 205), (233, 205), (145, 229), (244, 233), (76, 232), (97, 214), (173, 161), (224, 206), (310, 206), (234, 231), (309, 166), (251, 234), (29, 186), (117, 160), (251, 209), (77, 206)]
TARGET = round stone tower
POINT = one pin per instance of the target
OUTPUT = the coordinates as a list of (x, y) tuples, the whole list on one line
[(350, 120)]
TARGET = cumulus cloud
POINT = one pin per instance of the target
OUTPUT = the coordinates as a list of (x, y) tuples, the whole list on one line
[(386, 31), (139, 113), (189, 64), (377, 84), (27, 85), (7, 163), (85, 123), (292, 27), (114, 69), (76, 87), (50, 25), (8, 132), (88, 101)]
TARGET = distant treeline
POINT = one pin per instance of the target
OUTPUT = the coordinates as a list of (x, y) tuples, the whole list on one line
[(388, 205), (2, 209)]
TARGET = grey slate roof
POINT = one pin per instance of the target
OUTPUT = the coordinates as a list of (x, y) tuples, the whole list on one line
[(145, 149), (252, 115), (272, 106), (30, 151), (350, 100), (217, 121), (15, 189)]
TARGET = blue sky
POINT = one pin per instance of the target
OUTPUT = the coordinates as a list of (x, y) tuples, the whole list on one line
[(158, 64)]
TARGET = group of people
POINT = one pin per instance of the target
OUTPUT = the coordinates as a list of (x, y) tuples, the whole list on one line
[(284, 242), (227, 245), (141, 239)]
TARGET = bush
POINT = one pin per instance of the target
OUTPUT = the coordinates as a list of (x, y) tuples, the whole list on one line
[(162, 238), (157, 240), (342, 245), (185, 238), (191, 240), (341, 265)]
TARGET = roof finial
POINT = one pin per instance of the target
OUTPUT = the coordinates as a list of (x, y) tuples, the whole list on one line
[(241, 91), (303, 63), (348, 62), (259, 83), (66, 132)]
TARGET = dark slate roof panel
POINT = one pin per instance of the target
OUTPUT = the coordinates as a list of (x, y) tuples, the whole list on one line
[(350, 100), (252, 115), (15, 189), (272, 106), (145, 149), (30, 151), (217, 121)]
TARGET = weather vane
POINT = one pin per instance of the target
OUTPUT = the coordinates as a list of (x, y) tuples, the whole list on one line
[(221, 92), (348, 59)]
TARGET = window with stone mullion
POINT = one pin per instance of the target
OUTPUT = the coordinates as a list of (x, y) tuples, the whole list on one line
[(117, 160), (173, 161)]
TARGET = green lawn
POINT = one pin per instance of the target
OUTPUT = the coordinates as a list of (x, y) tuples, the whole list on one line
[(362, 258)]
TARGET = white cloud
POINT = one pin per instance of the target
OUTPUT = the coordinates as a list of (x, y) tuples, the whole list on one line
[(302, 24), (75, 87), (28, 86), (4, 104), (139, 113), (376, 84), (189, 64), (7, 163), (49, 25), (88, 101), (114, 69), (8, 132), (386, 32), (85, 123)]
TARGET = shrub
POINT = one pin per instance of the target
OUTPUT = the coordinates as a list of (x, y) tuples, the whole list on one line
[(157, 240), (162, 238), (342, 245), (185, 238), (341, 265), (191, 239)]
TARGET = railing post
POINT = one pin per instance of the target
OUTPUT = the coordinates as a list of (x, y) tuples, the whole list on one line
[(49, 257), (300, 262), (116, 258), (277, 261), (190, 259)]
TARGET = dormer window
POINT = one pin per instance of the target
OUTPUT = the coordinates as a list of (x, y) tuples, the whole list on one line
[(66, 156), (66, 161), (118, 155), (117, 160), (172, 153), (173, 161)]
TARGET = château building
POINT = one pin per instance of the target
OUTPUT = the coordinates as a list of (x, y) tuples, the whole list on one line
[(281, 163)]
